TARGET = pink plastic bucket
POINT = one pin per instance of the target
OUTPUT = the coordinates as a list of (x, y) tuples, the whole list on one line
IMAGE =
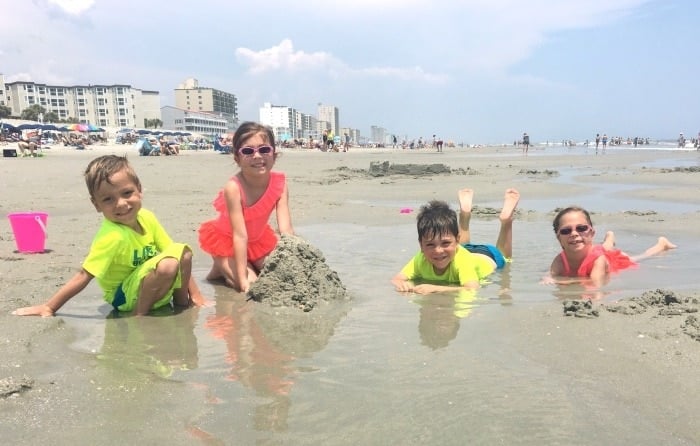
[(30, 230)]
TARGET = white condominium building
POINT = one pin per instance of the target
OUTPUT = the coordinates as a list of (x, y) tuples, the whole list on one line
[(101, 105)]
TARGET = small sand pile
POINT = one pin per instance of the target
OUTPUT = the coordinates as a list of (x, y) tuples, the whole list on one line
[(579, 308), (384, 168), (296, 275), (664, 303)]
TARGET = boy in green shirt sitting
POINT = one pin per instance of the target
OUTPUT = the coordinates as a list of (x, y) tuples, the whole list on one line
[(136, 263)]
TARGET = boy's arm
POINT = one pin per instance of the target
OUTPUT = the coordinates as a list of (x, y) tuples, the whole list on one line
[(75, 285), (427, 288), (402, 283)]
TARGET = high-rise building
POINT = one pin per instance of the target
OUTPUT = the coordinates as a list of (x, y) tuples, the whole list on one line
[(378, 135), (102, 105), (282, 120), (329, 114), (190, 96)]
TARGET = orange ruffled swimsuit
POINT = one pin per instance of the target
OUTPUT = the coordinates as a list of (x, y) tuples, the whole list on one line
[(617, 261), (216, 236)]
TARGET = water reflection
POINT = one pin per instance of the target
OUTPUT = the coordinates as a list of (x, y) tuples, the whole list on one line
[(157, 345), (440, 313), (262, 345), (253, 360)]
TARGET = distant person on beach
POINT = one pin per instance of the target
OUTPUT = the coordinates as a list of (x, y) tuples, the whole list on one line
[(526, 143), (240, 238), (605, 141), (26, 147), (135, 261), (346, 147), (331, 141), (582, 259), (443, 263), (681, 141), (597, 142)]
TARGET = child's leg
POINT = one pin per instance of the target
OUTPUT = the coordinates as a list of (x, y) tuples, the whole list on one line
[(505, 234), (609, 241), (466, 197), (217, 268), (662, 244), (156, 284), (181, 296)]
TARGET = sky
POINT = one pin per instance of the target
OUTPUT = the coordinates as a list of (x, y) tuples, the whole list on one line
[(470, 71)]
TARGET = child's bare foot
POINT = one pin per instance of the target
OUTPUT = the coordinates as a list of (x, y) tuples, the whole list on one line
[(214, 275), (510, 202), (665, 244), (466, 196), (465, 214)]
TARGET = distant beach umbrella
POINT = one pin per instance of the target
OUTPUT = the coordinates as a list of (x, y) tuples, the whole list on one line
[(49, 127), (76, 128), (29, 126), (8, 128)]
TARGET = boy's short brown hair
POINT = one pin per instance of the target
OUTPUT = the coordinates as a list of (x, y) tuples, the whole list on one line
[(435, 219), (102, 168)]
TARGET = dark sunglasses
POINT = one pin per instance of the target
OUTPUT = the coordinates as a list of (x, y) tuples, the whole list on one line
[(581, 229), (250, 151)]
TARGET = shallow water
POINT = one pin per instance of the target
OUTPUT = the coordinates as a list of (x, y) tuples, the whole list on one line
[(387, 368)]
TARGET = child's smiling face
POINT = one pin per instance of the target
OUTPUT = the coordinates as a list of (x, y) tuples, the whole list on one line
[(440, 250), (577, 231), (119, 200)]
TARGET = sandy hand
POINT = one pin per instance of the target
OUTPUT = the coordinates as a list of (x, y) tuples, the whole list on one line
[(36, 310)]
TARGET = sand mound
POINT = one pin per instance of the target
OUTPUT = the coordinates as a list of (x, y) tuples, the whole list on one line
[(296, 275)]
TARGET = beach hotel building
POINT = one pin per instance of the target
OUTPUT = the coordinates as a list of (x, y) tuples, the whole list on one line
[(101, 105), (191, 97), (329, 114), (287, 123), (193, 122)]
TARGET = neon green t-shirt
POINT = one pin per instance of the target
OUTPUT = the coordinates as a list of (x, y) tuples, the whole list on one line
[(117, 250), (464, 268)]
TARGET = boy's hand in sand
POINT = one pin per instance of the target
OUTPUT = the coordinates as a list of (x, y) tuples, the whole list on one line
[(36, 310)]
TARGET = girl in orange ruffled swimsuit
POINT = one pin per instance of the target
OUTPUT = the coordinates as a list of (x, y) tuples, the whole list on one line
[(240, 238), (582, 259)]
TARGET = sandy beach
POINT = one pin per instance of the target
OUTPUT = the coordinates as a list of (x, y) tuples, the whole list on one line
[(516, 370)]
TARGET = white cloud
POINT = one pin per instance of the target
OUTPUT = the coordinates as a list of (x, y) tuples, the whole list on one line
[(73, 7), (415, 73), (284, 57)]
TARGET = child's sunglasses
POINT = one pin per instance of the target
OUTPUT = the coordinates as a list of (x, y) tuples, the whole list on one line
[(581, 229), (250, 151)]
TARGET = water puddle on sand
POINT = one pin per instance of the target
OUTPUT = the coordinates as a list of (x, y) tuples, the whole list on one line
[(369, 372)]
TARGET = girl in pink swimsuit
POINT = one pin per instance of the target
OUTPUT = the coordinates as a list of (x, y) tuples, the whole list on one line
[(240, 238), (582, 259)]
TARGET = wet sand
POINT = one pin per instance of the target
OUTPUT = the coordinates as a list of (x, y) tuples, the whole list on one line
[(645, 361)]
